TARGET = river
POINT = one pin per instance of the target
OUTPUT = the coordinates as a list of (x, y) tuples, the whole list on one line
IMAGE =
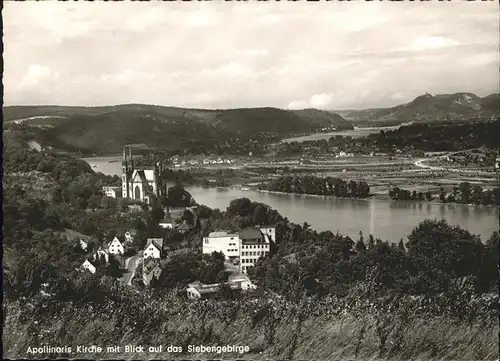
[(388, 220), (391, 220), (355, 133)]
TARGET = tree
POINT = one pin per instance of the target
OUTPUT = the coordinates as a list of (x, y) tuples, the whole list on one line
[(94, 201), (449, 249), (442, 195), (360, 245), (401, 245), (177, 196), (465, 192), (371, 241), (108, 203), (259, 215)]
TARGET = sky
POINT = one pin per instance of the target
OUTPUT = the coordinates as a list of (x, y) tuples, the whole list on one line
[(294, 55)]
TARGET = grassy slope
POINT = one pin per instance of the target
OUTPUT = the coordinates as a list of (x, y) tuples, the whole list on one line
[(318, 337)]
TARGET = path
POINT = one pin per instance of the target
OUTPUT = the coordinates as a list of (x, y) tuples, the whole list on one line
[(131, 264)]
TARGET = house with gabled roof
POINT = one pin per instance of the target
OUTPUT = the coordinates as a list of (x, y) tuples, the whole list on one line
[(154, 248), (83, 244), (89, 266), (116, 246), (182, 228)]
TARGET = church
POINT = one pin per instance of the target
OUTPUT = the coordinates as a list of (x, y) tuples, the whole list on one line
[(141, 185), (141, 177)]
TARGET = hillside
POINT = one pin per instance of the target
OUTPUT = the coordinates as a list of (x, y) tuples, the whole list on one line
[(430, 108), (104, 130), (433, 298)]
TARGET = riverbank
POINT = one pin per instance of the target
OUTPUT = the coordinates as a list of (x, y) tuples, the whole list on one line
[(375, 196)]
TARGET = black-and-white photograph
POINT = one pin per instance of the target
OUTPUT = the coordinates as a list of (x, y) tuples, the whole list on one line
[(251, 180)]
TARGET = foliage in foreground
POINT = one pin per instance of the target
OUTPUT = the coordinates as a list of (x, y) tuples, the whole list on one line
[(357, 326)]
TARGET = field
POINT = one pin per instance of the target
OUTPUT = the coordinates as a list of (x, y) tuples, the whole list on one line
[(380, 172)]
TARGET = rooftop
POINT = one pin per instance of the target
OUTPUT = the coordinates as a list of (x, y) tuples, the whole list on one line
[(221, 234), (150, 264), (212, 288), (251, 234), (156, 241)]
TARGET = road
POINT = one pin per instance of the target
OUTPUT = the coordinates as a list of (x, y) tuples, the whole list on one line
[(131, 264)]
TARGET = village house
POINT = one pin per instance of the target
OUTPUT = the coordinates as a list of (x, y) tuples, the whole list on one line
[(198, 290), (83, 244), (167, 222), (183, 227), (116, 246), (101, 253), (130, 236), (134, 208), (112, 192), (154, 248), (87, 265), (79, 240), (151, 270), (175, 214)]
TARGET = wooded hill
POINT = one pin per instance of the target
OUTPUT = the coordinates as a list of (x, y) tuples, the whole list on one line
[(430, 108), (104, 130)]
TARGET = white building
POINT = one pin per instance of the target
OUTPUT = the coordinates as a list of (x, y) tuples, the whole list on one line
[(227, 243), (112, 192), (249, 245), (83, 244), (101, 253), (269, 232), (197, 290), (167, 221), (154, 247), (139, 182), (130, 236), (87, 265), (255, 243), (116, 247)]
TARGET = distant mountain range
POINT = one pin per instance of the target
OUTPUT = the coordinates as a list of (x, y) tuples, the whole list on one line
[(104, 130), (429, 108)]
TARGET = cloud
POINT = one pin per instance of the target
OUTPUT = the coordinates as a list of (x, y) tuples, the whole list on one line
[(227, 70), (37, 75), (423, 43), (219, 54), (322, 100)]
